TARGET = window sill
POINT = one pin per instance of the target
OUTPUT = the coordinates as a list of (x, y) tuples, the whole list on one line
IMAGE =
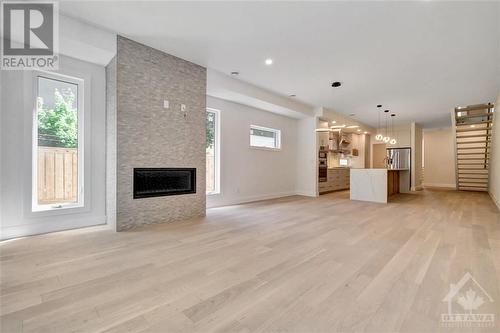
[(56, 207), (265, 148), (212, 193)]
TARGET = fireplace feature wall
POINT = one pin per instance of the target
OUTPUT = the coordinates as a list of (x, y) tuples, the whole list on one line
[(170, 141), (158, 182)]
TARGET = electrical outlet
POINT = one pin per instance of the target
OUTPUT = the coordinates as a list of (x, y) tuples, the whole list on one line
[(166, 104)]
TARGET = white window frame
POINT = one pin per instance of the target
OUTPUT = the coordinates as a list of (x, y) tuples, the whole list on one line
[(275, 130), (35, 207), (216, 151)]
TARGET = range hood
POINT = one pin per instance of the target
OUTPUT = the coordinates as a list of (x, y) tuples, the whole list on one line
[(343, 140)]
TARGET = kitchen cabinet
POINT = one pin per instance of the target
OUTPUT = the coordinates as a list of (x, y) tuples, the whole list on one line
[(392, 182), (337, 179)]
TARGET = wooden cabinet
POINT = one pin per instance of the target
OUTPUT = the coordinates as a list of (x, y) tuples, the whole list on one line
[(392, 182), (337, 179)]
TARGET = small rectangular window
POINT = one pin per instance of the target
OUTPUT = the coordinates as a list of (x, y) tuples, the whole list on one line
[(263, 137), (57, 143)]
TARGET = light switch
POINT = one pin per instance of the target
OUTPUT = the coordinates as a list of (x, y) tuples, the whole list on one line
[(183, 107), (166, 104)]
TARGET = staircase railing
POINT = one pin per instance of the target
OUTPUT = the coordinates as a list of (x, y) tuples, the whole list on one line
[(472, 130)]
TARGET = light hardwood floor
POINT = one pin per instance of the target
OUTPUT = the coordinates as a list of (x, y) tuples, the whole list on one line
[(292, 264)]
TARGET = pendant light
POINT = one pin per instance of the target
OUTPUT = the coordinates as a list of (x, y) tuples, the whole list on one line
[(386, 138), (379, 136), (393, 140)]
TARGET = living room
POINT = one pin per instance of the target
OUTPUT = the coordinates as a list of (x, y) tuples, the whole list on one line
[(254, 166)]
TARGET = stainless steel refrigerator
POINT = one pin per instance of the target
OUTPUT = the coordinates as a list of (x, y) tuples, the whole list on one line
[(399, 158)]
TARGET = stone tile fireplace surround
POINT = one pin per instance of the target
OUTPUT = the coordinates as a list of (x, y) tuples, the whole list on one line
[(142, 133)]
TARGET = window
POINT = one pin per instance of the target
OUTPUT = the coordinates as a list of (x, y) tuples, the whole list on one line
[(57, 143), (212, 151), (263, 137)]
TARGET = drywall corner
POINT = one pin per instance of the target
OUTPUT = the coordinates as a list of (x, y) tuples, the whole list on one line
[(111, 144), (416, 157), (306, 158)]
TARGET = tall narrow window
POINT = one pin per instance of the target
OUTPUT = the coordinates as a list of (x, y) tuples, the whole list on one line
[(212, 151), (58, 143)]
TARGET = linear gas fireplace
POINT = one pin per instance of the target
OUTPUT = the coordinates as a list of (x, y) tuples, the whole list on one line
[(157, 182)]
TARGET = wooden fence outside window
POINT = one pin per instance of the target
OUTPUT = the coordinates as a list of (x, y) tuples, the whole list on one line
[(57, 175)]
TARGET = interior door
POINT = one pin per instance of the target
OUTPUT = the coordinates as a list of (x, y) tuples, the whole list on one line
[(379, 155)]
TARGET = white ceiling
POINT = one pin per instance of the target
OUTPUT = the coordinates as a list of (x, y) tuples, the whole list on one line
[(419, 59)]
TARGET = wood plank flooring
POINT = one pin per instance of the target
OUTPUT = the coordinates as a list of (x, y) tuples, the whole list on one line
[(294, 264)]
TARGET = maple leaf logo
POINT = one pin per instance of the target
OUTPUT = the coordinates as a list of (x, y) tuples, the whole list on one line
[(470, 301)]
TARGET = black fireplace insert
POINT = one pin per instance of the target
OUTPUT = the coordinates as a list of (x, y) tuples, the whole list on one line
[(157, 182)]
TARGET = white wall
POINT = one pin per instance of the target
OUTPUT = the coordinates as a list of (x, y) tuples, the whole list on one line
[(16, 139), (249, 174), (494, 186), (85, 42), (307, 158), (228, 88), (359, 143), (402, 134), (439, 158), (2, 107)]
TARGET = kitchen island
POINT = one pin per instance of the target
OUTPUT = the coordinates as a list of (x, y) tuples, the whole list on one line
[(377, 185)]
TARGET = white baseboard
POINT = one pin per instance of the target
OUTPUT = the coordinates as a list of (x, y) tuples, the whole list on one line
[(8, 232), (495, 200), (246, 199), (306, 193), (440, 185)]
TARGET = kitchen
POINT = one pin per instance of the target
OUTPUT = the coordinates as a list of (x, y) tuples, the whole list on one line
[(339, 151), (355, 157)]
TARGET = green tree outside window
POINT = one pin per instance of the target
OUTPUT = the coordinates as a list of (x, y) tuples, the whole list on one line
[(58, 127)]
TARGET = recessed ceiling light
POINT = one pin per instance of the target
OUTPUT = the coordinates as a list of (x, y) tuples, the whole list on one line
[(292, 95), (365, 132), (235, 73), (269, 61), (379, 105), (472, 126), (352, 114), (334, 122), (386, 111), (359, 130), (336, 84)]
